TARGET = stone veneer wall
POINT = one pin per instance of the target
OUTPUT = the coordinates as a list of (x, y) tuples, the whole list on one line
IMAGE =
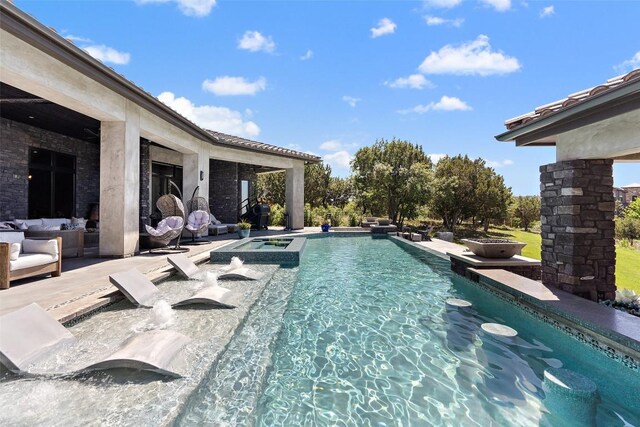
[(578, 244), (16, 139), (145, 184), (223, 190)]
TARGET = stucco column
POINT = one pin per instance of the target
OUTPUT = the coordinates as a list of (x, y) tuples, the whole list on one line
[(192, 165), (578, 245), (120, 185), (294, 196)]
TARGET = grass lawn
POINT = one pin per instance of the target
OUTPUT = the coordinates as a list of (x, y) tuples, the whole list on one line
[(627, 259)]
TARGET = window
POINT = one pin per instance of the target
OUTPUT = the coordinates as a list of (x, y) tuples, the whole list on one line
[(52, 178)]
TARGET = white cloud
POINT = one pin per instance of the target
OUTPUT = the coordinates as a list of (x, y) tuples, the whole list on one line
[(474, 57), (351, 100), (629, 64), (498, 164), (436, 20), (435, 158), (499, 5), (188, 7), (339, 161), (254, 41), (547, 11), (385, 26), (414, 81), (211, 117), (331, 145), (108, 54), (445, 4), (77, 39), (227, 85), (307, 55), (446, 103)]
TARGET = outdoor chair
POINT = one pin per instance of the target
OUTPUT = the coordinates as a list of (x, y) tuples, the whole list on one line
[(172, 223), (198, 219)]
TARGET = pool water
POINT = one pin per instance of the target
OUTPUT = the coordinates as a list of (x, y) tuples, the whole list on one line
[(265, 244), (367, 339)]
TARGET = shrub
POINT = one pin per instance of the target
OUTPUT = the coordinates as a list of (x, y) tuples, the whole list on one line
[(276, 217), (628, 228)]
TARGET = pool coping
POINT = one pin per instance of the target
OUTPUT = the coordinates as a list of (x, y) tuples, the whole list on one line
[(288, 256), (609, 330)]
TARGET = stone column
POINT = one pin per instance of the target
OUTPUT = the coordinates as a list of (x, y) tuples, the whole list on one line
[(294, 196), (578, 245), (119, 185), (223, 190)]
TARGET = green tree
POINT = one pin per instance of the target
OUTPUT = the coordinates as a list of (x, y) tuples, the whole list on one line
[(492, 198), (316, 184), (392, 177), (633, 210), (628, 228), (340, 191), (271, 187), (456, 180), (527, 210)]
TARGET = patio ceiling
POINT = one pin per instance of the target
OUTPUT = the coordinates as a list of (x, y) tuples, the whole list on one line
[(24, 107)]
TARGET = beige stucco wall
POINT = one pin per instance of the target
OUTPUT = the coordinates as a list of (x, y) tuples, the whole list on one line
[(614, 138), (122, 125)]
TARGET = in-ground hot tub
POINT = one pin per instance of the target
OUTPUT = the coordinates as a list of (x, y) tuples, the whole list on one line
[(494, 248), (262, 250)]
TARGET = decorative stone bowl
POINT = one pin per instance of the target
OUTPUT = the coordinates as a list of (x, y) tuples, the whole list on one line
[(494, 248)]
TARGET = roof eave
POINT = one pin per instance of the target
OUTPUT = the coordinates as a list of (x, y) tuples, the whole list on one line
[(618, 100), (30, 30)]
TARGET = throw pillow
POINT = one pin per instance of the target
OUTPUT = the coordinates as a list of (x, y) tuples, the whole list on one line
[(15, 251), (78, 223)]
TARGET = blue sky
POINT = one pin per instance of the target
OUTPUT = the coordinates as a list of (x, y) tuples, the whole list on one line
[(329, 77)]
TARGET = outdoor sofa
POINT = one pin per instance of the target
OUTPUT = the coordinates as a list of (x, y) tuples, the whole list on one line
[(20, 257)]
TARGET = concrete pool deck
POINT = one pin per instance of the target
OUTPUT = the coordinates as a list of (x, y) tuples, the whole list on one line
[(84, 284)]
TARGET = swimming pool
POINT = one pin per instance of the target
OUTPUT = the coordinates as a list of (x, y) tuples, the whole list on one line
[(358, 334), (367, 339)]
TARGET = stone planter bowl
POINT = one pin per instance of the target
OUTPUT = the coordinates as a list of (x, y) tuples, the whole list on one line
[(494, 248)]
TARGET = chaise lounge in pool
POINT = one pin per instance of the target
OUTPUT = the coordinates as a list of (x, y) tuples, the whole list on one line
[(143, 293), (30, 334)]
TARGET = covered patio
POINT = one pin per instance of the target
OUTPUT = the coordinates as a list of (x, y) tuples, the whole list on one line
[(58, 99), (590, 130)]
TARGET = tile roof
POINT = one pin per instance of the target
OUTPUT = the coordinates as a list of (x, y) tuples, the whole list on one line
[(570, 100), (226, 139)]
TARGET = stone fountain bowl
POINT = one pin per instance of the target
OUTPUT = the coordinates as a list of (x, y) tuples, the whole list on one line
[(494, 248)]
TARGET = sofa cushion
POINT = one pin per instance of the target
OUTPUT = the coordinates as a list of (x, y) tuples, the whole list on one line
[(11, 236), (218, 228), (15, 251), (168, 224), (49, 247), (55, 221), (24, 224), (197, 219), (31, 260), (7, 225), (44, 228), (384, 221)]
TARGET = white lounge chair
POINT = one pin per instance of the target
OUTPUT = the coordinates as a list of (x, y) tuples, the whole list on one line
[(30, 334), (142, 292), (242, 273), (184, 265)]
